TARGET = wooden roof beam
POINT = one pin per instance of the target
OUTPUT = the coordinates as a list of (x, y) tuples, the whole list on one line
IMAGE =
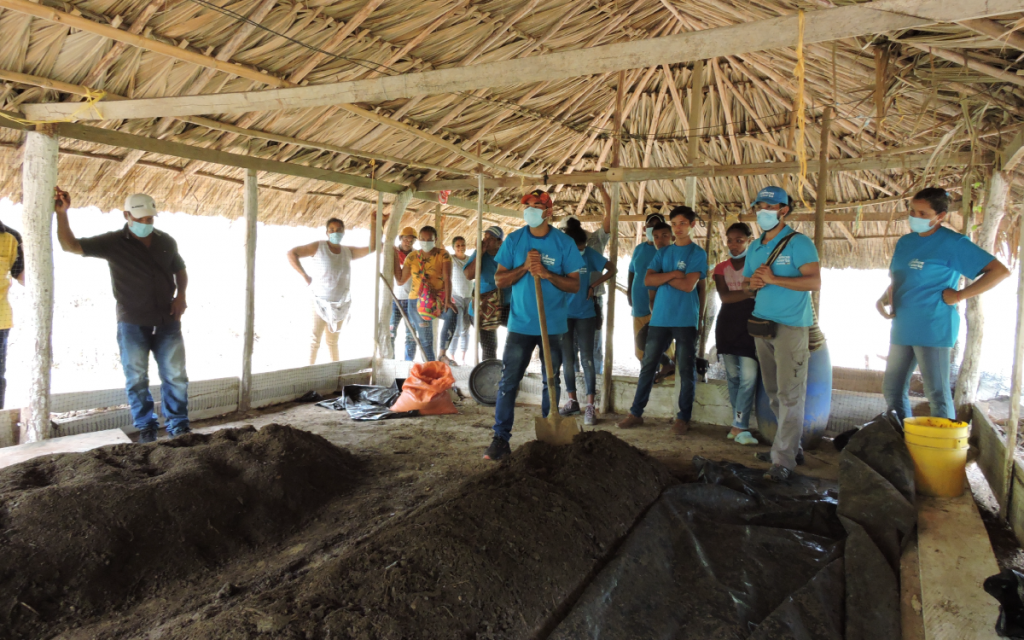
[(969, 62), (820, 26), (996, 31)]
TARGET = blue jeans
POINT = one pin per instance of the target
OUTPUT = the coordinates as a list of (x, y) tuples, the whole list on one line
[(580, 334), (658, 339), (168, 349), (741, 374), (425, 331), (396, 319), (934, 363), (456, 326), (4, 333), (518, 351)]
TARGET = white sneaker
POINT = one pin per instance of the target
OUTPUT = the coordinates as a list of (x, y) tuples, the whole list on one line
[(590, 417)]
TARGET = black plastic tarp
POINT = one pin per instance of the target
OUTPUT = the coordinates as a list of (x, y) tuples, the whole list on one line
[(734, 556), (367, 402)]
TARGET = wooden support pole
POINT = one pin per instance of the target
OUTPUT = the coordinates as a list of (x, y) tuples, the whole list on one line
[(38, 179), (966, 391), (250, 199), (378, 236), (620, 92), (822, 195), (386, 348), (707, 311), (609, 329), (693, 144), (479, 266), (1015, 390)]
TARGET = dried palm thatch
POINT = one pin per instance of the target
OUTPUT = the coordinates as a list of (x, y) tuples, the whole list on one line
[(929, 92)]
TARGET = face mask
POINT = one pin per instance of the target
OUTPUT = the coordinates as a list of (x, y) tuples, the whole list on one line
[(739, 255), (650, 234), (919, 225), (533, 216), (427, 245), (583, 251), (767, 219), (139, 229), (335, 238)]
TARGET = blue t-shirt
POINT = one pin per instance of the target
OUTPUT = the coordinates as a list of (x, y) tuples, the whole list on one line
[(561, 257), (775, 303), (672, 307), (922, 268), (579, 306), (487, 279), (642, 256)]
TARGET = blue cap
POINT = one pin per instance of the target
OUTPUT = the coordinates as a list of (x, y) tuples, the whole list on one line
[(771, 195), (496, 232)]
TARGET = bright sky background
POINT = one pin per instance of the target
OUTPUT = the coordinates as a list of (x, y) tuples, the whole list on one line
[(85, 349)]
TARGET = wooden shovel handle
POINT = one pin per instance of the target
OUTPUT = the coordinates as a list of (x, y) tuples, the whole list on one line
[(545, 343)]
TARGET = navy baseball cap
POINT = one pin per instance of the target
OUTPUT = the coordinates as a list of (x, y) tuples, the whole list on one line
[(771, 195), (496, 232)]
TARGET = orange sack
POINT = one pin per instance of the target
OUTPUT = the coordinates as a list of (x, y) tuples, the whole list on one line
[(426, 390)]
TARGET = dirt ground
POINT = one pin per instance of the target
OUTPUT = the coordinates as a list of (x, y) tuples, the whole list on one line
[(405, 468)]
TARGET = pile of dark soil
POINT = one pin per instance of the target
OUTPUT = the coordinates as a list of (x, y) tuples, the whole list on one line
[(83, 533), (501, 557)]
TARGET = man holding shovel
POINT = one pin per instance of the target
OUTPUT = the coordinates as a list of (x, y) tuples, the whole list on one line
[(536, 250)]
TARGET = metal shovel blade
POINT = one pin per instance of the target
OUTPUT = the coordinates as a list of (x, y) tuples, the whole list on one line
[(555, 429)]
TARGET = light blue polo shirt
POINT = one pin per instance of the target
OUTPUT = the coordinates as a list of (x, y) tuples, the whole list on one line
[(921, 269), (672, 307), (775, 303), (561, 257), (642, 256), (580, 306)]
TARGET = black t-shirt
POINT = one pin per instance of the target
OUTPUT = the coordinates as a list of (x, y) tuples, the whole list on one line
[(143, 278)]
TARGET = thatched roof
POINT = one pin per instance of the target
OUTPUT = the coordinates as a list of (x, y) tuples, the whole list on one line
[(895, 93)]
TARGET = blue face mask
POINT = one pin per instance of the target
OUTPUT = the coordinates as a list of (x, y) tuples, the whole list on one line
[(533, 216), (739, 255), (139, 229), (335, 238), (767, 219), (650, 234), (919, 225)]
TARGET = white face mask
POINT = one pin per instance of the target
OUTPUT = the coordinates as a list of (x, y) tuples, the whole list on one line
[(650, 234), (426, 245), (739, 255), (583, 251)]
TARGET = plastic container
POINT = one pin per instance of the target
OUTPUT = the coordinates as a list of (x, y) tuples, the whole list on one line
[(816, 407), (939, 449)]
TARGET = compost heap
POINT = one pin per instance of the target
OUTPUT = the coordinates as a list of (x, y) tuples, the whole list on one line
[(496, 558), (83, 533)]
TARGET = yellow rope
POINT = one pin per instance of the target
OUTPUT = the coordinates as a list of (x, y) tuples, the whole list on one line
[(799, 72), (91, 98)]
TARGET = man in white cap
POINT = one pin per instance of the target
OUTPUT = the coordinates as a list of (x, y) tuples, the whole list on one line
[(149, 281)]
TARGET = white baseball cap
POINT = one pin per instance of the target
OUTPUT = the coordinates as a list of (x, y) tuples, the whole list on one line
[(140, 205)]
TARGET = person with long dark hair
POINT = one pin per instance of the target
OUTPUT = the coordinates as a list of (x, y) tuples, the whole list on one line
[(922, 301), (733, 342), (583, 323)]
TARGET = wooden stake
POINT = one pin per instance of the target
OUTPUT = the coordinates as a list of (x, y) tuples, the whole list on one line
[(704, 313), (378, 233), (479, 265), (39, 177), (609, 330), (620, 92), (1009, 465), (250, 201)]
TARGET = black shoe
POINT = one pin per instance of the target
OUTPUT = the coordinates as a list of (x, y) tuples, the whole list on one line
[(766, 456), (778, 473), (180, 432), (147, 435), (570, 408), (499, 449)]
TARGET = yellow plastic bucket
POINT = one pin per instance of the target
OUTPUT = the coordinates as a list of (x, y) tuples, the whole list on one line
[(936, 428), (938, 443), (939, 449)]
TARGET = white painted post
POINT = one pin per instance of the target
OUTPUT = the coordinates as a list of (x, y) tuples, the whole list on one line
[(479, 265), (388, 271), (39, 177), (1015, 391), (377, 237), (609, 331), (250, 204)]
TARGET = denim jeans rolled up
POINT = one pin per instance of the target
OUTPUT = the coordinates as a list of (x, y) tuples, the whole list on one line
[(519, 349), (4, 334), (168, 348), (396, 319), (580, 334), (658, 339), (456, 325), (741, 374), (425, 331), (934, 364)]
